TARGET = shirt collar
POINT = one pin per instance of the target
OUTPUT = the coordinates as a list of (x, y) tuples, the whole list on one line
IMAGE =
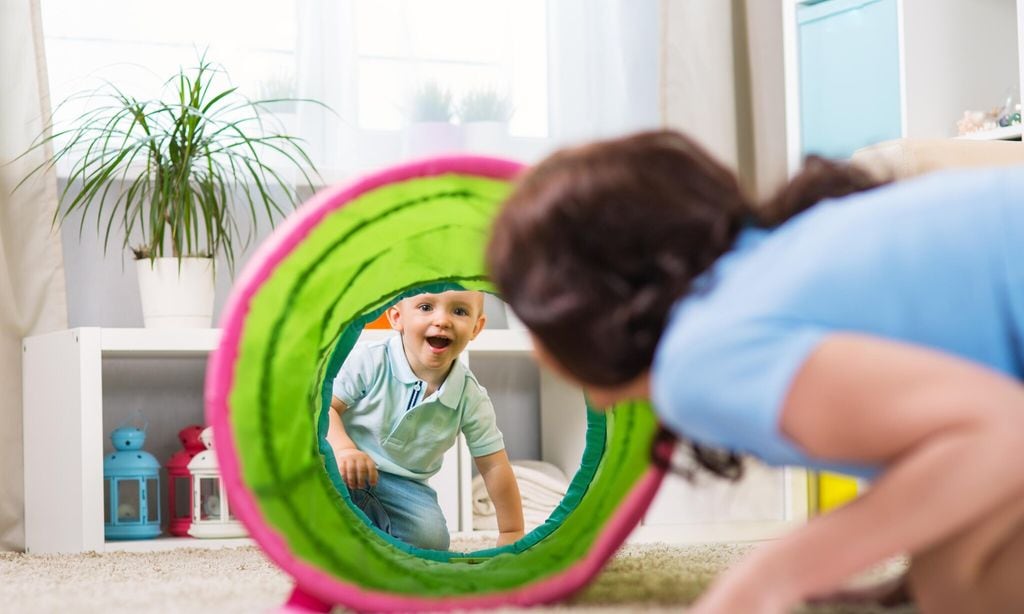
[(453, 386), (399, 363), (450, 393)]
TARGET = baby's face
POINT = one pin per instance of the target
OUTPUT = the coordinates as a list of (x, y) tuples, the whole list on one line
[(437, 327)]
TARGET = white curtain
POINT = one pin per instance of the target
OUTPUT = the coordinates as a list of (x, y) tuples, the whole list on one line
[(604, 60), (602, 63), (699, 66), (32, 298)]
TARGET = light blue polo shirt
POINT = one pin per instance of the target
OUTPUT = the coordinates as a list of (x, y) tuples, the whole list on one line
[(404, 433), (936, 261)]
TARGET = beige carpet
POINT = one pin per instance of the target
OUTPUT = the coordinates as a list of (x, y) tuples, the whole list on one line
[(649, 578)]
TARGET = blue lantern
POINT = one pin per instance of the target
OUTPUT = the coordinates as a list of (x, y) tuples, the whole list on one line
[(131, 483)]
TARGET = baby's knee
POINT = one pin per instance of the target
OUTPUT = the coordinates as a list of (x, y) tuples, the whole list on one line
[(438, 539), (430, 533)]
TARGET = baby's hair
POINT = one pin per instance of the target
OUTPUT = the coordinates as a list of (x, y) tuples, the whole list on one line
[(656, 211)]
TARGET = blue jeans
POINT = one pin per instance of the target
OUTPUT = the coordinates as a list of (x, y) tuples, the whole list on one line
[(404, 509)]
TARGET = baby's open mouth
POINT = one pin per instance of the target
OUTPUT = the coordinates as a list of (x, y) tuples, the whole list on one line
[(439, 342)]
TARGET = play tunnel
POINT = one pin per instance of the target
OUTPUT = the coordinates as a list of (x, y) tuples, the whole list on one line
[(292, 317)]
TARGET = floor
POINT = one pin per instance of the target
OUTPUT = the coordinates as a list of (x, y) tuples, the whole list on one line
[(648, 578)]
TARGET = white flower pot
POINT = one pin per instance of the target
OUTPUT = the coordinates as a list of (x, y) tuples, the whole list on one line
[(176, 297), (486, 137), (424, 139)]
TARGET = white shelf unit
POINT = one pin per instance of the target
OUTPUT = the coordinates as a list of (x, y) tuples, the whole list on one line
[(1006, 133), (63, 428), (64, 432), (64, 438)]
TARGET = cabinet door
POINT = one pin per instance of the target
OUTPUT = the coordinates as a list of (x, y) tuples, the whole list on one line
[(765, 504), (849, 61)]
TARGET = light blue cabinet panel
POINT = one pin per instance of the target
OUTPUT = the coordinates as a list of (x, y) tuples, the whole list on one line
[(849, 75)]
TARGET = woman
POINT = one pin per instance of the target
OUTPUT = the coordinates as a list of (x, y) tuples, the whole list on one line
[(874, 330)]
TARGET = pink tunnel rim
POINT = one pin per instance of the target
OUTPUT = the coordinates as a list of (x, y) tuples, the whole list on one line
[(220, 381)]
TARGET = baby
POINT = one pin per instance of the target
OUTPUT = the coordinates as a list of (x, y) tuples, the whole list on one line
[(400, 404)]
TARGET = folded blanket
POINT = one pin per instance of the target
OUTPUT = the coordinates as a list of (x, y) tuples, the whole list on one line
[(542, 487), (531, 520)]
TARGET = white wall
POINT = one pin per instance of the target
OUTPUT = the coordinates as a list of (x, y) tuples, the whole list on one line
[(960, 55), (698, 74), (767, 94), (723, 83)]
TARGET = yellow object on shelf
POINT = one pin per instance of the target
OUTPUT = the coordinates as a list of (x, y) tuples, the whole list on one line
[(833, 490)]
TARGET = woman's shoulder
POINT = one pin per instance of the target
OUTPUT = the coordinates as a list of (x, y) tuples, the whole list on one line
[(948, 187), (725, 385)]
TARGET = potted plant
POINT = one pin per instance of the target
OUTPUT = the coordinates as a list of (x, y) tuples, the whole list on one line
[(178, 174), (485, 114), (431, 130)]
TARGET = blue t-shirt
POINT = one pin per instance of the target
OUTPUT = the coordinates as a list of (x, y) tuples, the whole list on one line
[(404, 433), (936, 261)]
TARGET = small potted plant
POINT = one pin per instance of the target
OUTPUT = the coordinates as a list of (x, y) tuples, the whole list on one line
[(177, 174), (431, 130), (485, 114)]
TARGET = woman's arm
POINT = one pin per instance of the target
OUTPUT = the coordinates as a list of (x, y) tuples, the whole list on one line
[(504, 491), (949, 433), (356, 467)]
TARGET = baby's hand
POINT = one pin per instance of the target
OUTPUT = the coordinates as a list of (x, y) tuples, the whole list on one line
[(356, 467)]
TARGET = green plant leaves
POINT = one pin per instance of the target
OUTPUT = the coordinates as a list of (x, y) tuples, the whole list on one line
[(179, 175), (485, 105)]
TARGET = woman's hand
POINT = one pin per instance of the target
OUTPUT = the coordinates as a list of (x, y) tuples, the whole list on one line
[(356, 467), (750, 587)]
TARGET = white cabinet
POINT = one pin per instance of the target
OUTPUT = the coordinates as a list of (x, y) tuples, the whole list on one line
[(66, 427), (765, 504), (65, 433), (950, 56)]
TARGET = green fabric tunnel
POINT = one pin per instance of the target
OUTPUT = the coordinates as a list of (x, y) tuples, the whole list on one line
[(292, 319)]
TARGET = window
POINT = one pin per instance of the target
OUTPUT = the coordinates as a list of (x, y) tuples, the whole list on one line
[(139, 44), (572, 69), (461, 45)]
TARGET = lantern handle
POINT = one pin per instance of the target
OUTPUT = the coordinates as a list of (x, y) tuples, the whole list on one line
[(136, 419)]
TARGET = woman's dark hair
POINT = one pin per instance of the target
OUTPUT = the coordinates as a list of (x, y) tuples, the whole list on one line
[(596, 243)]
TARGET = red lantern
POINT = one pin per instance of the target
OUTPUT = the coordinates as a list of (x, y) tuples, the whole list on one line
[(179, 481)]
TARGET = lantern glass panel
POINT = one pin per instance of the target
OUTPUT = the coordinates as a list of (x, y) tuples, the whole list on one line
[(209, 498), (128, 500), (153, 500), (182, 498), (106, 501)]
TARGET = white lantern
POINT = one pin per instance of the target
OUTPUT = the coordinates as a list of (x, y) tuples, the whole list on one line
[(211, 514)]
